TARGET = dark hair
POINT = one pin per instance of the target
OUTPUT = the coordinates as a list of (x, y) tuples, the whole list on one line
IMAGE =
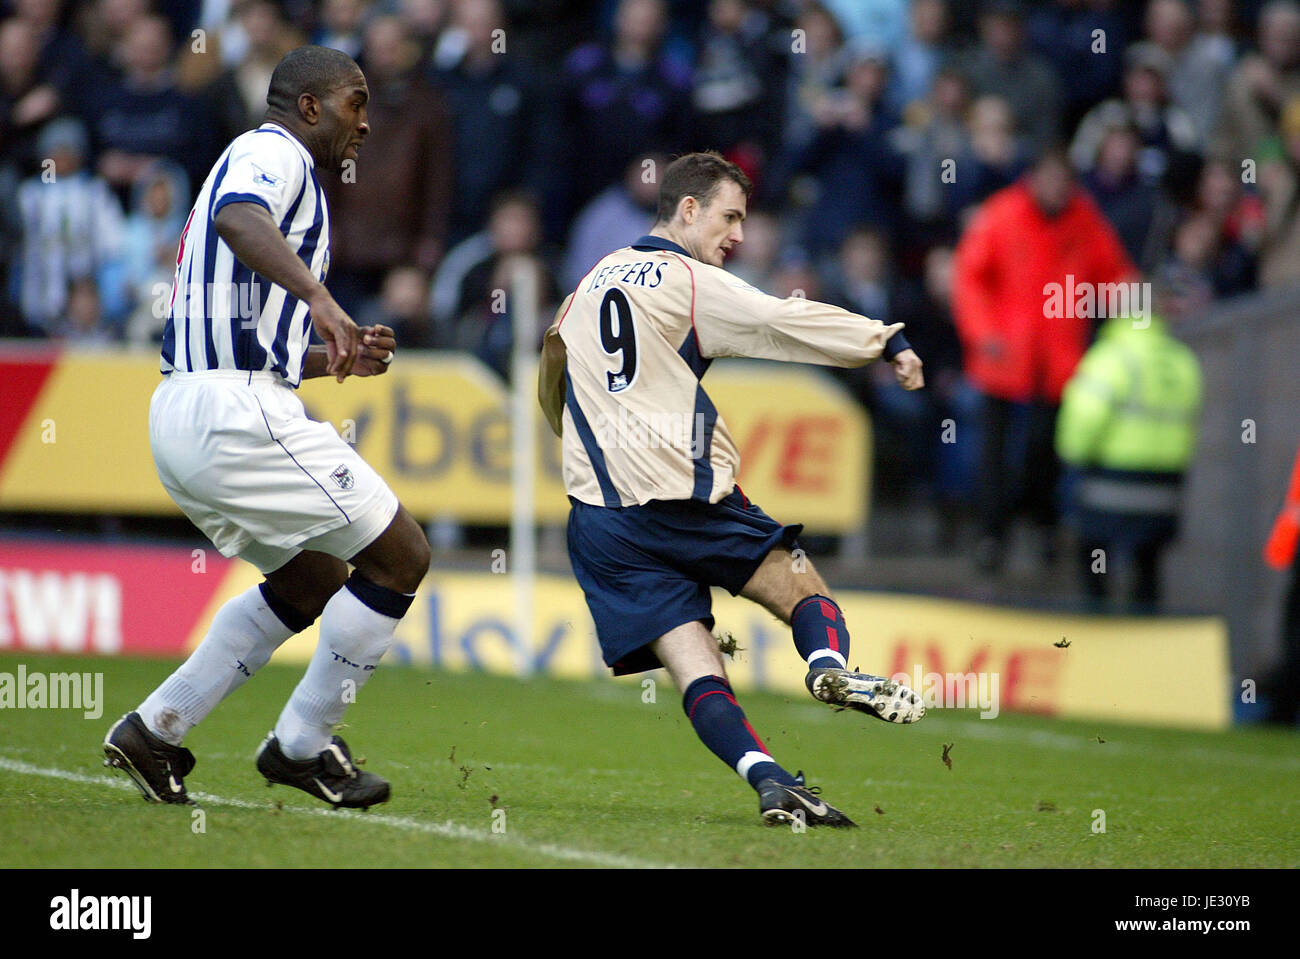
[(1055, 153), (698, 175), (314, 70), (513, 196)]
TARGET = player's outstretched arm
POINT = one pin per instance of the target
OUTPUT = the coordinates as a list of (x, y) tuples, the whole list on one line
[(258, 243), (732, 318)]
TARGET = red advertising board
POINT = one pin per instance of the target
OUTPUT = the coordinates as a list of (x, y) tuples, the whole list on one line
[(109, 600)]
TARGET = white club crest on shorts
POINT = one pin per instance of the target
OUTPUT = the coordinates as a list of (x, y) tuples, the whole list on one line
[(343, 477)]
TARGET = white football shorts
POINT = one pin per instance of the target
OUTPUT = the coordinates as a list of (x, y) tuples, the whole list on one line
[(239, 455)]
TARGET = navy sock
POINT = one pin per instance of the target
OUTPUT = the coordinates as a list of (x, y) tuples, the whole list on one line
[(721, 725), (285, 613), (820, 634), (381, 599)]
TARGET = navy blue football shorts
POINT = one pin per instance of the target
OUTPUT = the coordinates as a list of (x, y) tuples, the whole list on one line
[(647, 569)]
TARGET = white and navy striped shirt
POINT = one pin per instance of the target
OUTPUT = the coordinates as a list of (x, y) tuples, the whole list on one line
[(224, 316), (72, 229)]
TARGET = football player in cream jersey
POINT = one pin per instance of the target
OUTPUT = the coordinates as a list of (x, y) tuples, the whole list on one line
[(650, 468)]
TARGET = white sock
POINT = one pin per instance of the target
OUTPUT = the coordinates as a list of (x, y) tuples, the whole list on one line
[(244, 634), (353, 638)]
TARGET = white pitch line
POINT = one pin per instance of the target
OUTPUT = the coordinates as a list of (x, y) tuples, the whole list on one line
[(447, 830)]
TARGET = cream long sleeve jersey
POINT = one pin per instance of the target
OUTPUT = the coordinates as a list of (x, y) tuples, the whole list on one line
[(621, 366)]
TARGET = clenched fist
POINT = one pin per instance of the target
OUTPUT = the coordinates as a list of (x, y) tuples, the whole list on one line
[(378, 346), (907, 370)]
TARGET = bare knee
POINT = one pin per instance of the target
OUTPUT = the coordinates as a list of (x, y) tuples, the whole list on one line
[(307, 581), (782, 581), (399, 558)]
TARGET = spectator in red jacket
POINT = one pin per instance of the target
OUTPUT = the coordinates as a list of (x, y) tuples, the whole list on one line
[(1038, 237), (1280, 552)]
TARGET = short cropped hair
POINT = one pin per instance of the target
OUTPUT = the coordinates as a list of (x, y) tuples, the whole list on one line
[(1056, 153), (698, 175), (314, 70)]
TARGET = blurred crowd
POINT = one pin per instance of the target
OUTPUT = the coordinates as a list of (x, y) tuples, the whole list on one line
[(510, 133)]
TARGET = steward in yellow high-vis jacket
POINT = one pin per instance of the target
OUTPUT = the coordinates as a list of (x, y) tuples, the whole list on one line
[(1127, 427)]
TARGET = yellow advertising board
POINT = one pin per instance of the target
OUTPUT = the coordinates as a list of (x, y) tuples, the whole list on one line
[(436, 428), (83, 445), (1170, 671)]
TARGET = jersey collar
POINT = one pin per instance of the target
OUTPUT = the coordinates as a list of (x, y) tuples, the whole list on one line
[(649, 242), (292, 138)]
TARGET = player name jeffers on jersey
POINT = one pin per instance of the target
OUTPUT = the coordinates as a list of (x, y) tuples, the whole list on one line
[(622, 364), (638, 272)]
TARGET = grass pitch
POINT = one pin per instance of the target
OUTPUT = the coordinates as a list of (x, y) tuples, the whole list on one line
[(489, 771)]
